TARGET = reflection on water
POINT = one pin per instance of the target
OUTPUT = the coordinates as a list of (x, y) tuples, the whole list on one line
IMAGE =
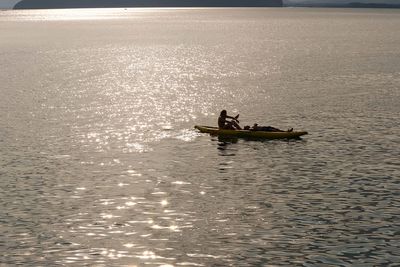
[(79, 14), (100, 164)]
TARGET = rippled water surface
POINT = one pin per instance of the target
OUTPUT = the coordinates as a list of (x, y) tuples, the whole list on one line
[(100, 165)]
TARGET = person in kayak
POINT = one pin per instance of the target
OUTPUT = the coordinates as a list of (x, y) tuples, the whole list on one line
[(225, 124), (265, 128)]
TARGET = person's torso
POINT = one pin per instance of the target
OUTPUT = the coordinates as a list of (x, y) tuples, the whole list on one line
[(221, 121)]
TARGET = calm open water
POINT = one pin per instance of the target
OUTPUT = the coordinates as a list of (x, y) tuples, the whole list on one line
[(100, 165)]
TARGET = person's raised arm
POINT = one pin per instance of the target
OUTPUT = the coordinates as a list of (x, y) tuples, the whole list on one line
[(233, 118)]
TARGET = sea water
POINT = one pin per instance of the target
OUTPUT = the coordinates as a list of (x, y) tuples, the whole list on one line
[(100, 164)]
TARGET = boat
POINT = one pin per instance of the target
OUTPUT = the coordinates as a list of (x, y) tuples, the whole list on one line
[(249, 134)]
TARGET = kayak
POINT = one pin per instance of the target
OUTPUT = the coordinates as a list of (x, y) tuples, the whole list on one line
[(248, 134)]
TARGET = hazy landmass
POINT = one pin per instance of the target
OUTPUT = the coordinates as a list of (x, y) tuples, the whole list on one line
[(342, 4), (373, 5), (45, 4)]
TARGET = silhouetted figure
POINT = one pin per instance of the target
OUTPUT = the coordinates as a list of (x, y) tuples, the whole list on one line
[(225, 124)]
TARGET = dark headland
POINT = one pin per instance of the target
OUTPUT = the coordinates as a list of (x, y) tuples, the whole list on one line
[(330, 3), (46, 4)]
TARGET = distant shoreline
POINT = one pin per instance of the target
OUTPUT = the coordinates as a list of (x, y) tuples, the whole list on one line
[(349, 5), (285, 6), (60, 4), (355, 5)]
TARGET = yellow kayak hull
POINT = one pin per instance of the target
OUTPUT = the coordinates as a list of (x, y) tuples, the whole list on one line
[(248, 134)]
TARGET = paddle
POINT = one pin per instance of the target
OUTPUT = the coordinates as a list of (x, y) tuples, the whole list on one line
[(236, 118)]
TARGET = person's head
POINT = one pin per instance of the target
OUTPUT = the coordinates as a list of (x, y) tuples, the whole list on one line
[(223, 113)]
